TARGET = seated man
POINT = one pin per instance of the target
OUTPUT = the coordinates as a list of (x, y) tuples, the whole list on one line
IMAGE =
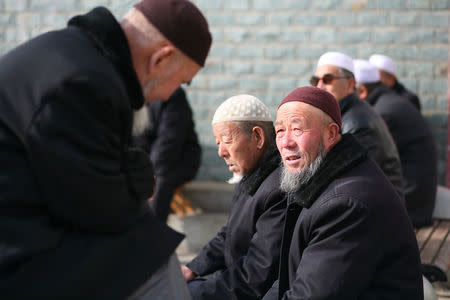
[(241, 262), (172, 143), (335, 74), (387, 69), (347, 234), (413, 138)]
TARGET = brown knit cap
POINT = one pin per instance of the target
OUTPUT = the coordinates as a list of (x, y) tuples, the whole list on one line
[(318, 98), (182, 23)]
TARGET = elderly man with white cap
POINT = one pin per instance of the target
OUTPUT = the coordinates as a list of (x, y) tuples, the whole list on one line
[(241, 262), (413, 137), (334, 73), (347, 234), (388, 75)]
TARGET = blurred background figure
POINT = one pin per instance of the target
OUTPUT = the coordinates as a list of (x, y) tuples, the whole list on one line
[(172, 144), (387, 68), (412, 136)]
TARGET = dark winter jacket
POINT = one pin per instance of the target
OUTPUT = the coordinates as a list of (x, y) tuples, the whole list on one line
[(171, 139), (348, 235), (245, 252), (359, 119), (402, 91), (417, 150), (172, 144), (74, 218)]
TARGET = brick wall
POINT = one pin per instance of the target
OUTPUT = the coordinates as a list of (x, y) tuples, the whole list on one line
[(269, 47)]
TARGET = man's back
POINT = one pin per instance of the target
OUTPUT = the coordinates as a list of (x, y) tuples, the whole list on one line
[(359, 119), (413, 138), (73, 193)]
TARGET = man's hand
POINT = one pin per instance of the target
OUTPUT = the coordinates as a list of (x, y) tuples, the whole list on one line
[(187, 273)]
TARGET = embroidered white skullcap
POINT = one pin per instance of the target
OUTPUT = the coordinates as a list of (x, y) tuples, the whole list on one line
[(383, 62), (241, 108), (365, 72), (337, 59)]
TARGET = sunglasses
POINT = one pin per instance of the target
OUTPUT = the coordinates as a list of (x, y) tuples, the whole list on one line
[(326, 79)]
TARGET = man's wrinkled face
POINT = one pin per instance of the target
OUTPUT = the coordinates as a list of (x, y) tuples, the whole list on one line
[(339, 87), (236, 148), (298, 135)]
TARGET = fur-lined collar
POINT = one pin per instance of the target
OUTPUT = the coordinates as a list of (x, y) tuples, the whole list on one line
[(344, 155), (110, 39), (268, 162)]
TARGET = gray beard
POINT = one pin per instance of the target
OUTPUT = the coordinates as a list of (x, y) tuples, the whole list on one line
[(293, 181), (235, 179), (141, 120)]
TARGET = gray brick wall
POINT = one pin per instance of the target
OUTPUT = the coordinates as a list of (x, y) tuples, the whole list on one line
[(269, 47)]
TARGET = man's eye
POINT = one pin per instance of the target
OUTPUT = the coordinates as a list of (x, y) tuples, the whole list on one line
[(297, 131)]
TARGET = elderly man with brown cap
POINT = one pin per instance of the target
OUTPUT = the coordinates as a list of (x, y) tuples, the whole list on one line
[(241, 262), (74, 219), (347, 234), (413, 137), (335, 74)]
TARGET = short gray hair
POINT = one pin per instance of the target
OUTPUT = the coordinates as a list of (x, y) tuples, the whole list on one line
[(246, 128)]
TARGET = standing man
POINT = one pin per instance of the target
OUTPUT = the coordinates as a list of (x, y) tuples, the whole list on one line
[(172, 144), (241, 262), (386, 67), (74, 217), (347, 234), (334, 73), (413, 138)]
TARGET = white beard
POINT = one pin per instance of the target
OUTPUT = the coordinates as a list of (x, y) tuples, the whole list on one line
[(293, 181), (235, 179), (141, 120)]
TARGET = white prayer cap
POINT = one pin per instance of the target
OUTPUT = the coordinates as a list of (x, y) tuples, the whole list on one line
[(365, 72), (383, 62), (337, 59), (241, 108)]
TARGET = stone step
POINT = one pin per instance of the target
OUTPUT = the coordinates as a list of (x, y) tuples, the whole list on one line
[(209, 196), (199, 230)]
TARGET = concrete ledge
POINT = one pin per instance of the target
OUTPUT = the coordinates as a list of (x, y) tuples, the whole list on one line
[(210, 196)]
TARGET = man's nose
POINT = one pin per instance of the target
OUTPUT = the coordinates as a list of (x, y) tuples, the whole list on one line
[(320, 84), (287, 141), (222, 151)]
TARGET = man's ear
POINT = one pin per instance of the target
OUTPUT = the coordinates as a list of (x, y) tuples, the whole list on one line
[(160, 58), (362, 92), (258, 133), (331, 136)]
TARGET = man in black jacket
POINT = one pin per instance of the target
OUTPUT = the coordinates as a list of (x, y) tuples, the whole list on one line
[(387, 69), (241, 262), (334, 73), (347, 234), (413, 138), (172, 144), (74, 216)]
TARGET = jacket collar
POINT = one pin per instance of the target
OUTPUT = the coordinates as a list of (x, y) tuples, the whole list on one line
[(110, 39), (377, 92), (268, 162), (343, 156), (347, 102), (398, 87)]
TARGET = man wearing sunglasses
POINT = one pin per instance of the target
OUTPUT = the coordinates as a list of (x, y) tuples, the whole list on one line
[(334, 73)]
